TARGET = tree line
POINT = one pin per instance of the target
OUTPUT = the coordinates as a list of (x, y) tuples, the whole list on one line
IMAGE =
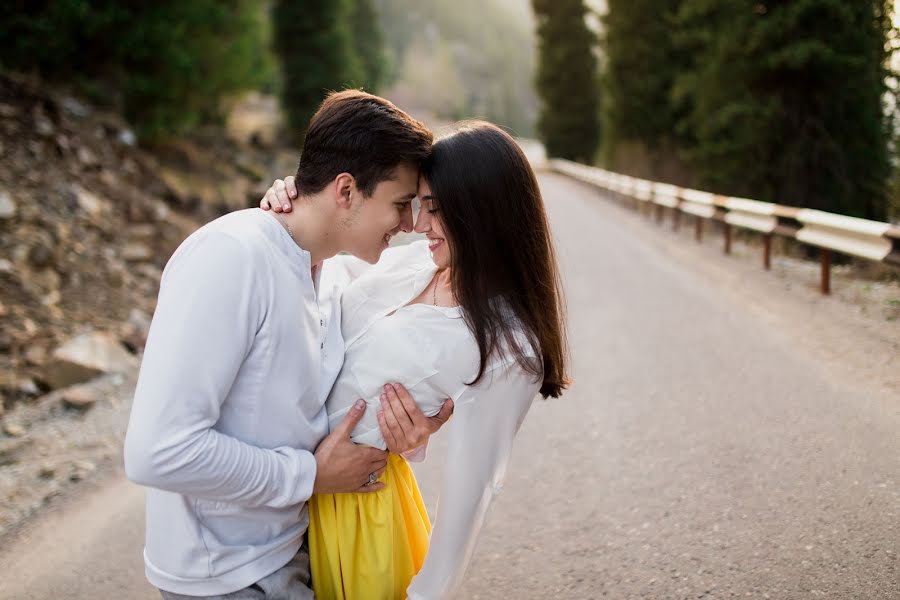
[(779, 100), (171, 66)]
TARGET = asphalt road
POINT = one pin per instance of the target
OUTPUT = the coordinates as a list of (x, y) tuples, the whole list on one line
[(714, 446)]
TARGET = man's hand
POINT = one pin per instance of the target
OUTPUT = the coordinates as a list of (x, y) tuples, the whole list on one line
[(280, 196), (341, 465), (403, 425)]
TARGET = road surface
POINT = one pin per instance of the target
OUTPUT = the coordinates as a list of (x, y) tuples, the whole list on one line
[(716, 444)]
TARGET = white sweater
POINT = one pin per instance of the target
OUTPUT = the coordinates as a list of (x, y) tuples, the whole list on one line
[(229, 405)]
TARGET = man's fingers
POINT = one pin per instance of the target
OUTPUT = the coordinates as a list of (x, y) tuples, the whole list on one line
[(386, 432), (412, 409), (365, 489), (401, 413), (393, 419), (350, 419)]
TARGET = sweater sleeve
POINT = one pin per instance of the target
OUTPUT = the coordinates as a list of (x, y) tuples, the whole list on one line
[(482, 429), (209, 309)]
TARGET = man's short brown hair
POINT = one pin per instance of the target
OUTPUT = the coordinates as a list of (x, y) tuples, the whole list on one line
[(360, 134)]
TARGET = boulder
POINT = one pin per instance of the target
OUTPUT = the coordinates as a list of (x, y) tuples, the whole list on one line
[(136, 252), (85, 357), (80, 397), (7, 205)]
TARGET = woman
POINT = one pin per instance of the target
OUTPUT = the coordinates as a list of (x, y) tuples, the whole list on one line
[(474, 314)]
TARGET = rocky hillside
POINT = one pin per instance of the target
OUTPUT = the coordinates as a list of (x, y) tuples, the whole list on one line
[(87, 222)]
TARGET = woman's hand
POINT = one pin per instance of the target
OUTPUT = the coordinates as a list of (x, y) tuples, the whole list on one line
[(280, 196), (404, 427)]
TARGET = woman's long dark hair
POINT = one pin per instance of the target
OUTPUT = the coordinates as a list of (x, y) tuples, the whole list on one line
[(494, 218)]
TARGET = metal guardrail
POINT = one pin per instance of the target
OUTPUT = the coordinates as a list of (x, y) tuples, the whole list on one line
[(828, 232)]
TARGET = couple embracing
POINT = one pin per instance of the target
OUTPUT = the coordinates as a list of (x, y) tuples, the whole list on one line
[(295, 364)]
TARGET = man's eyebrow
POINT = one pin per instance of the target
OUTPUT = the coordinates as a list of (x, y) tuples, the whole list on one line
[(406, 197)]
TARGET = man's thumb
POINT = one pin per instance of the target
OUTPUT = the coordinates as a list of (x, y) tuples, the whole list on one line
[(446, 411), (351, 419)]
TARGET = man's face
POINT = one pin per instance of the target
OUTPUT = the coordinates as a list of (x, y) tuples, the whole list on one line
[(376, 219)]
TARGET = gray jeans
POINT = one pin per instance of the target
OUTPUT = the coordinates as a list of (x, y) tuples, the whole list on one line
[(290, 582)]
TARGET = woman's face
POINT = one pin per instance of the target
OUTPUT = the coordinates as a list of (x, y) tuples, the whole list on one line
[(429, 222)]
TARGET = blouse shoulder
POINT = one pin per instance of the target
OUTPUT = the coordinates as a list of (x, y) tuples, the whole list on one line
[(412, 254)]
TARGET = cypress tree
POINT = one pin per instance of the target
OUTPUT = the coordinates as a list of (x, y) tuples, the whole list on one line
[(368, 44), (783, 100), (640, 68), (313, 42), (568, 120)]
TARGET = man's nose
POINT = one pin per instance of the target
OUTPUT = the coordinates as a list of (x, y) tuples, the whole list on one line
[(406, 223)]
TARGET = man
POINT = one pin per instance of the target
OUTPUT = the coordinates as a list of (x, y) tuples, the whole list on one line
[(228, 420)]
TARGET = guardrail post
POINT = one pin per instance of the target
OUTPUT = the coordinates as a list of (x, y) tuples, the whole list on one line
[(727, 238), (825, 261), (698, 229), (767, 251)]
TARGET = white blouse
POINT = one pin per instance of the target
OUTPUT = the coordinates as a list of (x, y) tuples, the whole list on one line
[(431, 351)]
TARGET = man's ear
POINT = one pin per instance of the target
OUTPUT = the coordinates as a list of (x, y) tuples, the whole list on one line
[(344, 187)]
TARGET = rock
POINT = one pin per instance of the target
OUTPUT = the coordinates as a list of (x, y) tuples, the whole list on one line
[(7, 206), (87, 157), (81, 397), (81, 469), (136, 252), (13, 430), (43, 126), (52, 299), (62, 142), (30, 327), (47, 472), (109, 178), (116, 277), (75, 107), (7, 111), (127, 137), (84, 357), (36, 356), (89, 202), (145, 231), (5, 266), (40, 255), (135, 331), (28, 387)]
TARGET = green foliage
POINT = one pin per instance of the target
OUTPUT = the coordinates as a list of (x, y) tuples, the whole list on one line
[(568, 121), (780, 100), (368, 44), (784, 100), (313, 42), (640, 67), (170, 63)]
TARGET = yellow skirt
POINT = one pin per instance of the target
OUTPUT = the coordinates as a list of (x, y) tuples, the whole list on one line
[(369, 546)]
